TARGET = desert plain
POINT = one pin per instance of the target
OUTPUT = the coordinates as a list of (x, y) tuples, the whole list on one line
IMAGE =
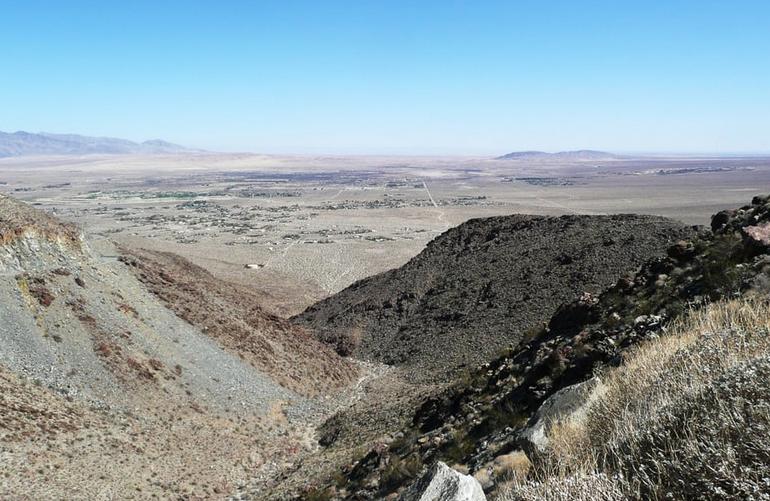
[(301, 228)]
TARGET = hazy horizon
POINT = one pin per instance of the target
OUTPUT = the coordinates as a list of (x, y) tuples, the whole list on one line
[(434, 79), (493, 154)]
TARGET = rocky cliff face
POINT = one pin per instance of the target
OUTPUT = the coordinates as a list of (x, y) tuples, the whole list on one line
[(32, 239), (487, 415), (480, 287)]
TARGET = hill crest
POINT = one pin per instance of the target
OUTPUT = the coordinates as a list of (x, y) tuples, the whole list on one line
[(477, 287)]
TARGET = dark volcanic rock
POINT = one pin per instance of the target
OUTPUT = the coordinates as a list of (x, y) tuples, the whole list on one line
[(479, 287)]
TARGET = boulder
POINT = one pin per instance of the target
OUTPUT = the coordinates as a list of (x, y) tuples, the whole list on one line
[(568, 403), (721, 218), (442, 483), (682, 251), (759, 235)]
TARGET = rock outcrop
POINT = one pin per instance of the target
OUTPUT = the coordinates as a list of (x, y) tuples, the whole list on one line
[(568, 403), (32, 239)]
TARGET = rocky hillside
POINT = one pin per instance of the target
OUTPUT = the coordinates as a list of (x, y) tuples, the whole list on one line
[(103, 384), (231, 315), (85, 326), (480, 287), (495, 416)]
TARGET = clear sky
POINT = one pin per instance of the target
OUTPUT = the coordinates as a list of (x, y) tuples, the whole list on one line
[(415, 77)]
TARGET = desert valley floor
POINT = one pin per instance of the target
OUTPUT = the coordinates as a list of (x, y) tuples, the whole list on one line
[(301, 228)]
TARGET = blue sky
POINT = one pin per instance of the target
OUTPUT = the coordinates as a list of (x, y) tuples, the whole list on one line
[(391, 77)]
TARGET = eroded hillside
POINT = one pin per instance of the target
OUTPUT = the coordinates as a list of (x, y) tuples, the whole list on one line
[(232, 315), (106, 392)]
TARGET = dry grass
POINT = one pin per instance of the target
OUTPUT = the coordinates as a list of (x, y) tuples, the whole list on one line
[(512, 467), (686, 415)]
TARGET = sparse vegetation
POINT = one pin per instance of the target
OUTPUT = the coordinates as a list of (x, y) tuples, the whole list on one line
[(378, 445), (400, 470)]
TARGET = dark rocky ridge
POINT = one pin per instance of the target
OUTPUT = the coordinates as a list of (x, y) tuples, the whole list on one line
[(482, 416), (479, 287)]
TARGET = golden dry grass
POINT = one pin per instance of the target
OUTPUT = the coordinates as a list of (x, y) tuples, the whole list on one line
[(669, 414)]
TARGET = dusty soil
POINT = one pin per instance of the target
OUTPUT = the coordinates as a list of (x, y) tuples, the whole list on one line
[(52, 448)]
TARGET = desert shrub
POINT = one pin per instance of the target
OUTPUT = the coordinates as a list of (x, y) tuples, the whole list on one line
[(459, 447), (583, 487), (713, 444), (398, 471), (318, 494), (345, 342), (686, 416)]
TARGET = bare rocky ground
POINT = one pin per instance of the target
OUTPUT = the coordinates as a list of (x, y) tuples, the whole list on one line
[(231, 315)]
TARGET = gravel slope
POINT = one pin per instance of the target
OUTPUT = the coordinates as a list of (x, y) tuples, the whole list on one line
[(232, 315)]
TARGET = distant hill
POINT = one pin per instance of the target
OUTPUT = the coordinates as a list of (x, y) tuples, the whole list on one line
[(22, 143), (571, 156)]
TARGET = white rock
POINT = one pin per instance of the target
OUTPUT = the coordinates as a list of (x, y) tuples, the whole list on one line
[(568, 403), (442, 483)]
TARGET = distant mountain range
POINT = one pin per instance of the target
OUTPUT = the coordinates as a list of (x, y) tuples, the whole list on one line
[(22, 143), (576, 155)]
